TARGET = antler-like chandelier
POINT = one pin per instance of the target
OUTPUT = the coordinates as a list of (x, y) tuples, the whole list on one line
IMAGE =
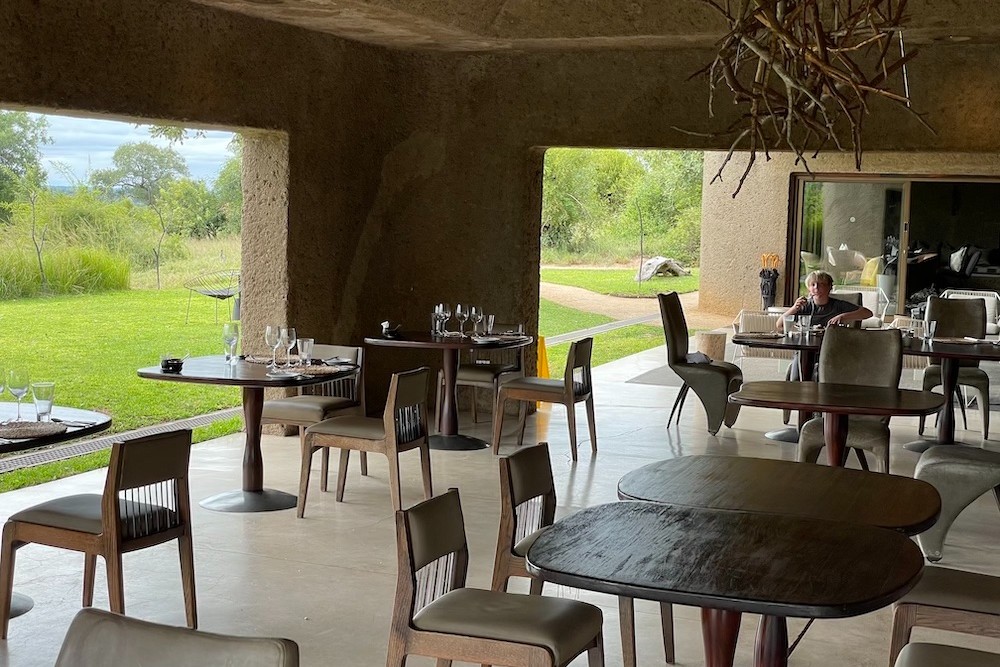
[(803, 72)]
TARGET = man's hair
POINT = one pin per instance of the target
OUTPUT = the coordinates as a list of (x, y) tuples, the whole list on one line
[(820, 277)]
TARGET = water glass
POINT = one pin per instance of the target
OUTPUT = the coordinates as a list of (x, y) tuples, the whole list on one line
[(490, 320), (789, 325), (230, 336), (805, 323), (288, 341), (44, 394), (18, 384), (305, 351), (930, 328)]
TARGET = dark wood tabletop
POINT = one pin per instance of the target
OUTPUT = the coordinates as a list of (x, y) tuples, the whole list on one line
[(419, 339), (795, 342), (838, 398), (905, 504), (740, 561), (215, 370), (81, 424), (942, 350)]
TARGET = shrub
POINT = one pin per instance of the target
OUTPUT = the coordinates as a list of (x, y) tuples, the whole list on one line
[(67, 270)]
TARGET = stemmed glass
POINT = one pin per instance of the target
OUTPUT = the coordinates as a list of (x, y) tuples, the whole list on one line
[(230, 334), (476, 315), (444, 311), (462, 315), (18, 384), (288, 340), (272, 337)]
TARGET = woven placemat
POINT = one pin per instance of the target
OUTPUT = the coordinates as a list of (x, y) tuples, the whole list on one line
[(327, 370), (22, 430)]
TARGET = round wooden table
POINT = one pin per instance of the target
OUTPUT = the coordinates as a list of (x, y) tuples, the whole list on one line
[(807, 347), (837, 402), (79, 424), (950, 354), (253, 379), (769, 486), (449, 438), (724, 561)]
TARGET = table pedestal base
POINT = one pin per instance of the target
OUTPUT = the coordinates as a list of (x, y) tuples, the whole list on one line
[(456, 442), (790, 434), (267, 500), (20, 604)]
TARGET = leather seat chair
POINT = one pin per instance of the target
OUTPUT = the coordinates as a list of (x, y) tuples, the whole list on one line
[(435, 615), (856, 356), (936, 655), (712, 382), (960, 475), (98, 639)]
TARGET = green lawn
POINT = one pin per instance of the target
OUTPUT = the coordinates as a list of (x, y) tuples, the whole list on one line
[(610, 346), (619, 282), (554, 319)]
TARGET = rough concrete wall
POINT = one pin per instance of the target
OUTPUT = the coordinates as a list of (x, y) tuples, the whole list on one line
[(730, 255)]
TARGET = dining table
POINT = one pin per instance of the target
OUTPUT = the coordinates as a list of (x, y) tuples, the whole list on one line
[(806, 346), (950, 351), (837, 402), (253, 378), (68, 424), (729, 562), (451, 345)]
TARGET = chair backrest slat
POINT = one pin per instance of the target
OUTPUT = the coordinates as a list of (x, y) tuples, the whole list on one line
[(528, 488), (406, 407), (349, 387), (577, 374), (150, 459)]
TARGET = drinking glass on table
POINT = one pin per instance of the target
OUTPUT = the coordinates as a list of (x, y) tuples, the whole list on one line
[(476, 315), (930, 328), (305, 351), (272, 337), (18, 383), (230, 336), (805, 323), (789, 325), (462, 315), (288, 341), (490, 319), (44, 394), (445, 316)]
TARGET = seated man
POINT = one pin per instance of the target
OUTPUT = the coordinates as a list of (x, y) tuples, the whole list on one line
[(825, 310)]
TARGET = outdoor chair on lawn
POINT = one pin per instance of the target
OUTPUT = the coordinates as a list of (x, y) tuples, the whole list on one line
[(403, 427), (218, 285), (527, 509), (575, 387), (145, 503), (315, 403), (435, 615), (712, 382), (98, 639)]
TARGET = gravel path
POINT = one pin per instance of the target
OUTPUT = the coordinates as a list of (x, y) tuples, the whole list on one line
[(622, 308)]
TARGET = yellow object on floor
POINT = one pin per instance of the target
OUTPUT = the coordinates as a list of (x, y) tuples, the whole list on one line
[(543, 358)]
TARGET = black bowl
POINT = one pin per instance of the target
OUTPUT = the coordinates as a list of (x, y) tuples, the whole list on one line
[(171, 365)]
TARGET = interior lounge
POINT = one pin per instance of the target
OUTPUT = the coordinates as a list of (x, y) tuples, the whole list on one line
[(393, 157)]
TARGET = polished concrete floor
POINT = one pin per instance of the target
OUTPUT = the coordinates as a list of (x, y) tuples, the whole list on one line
[(327, 581)]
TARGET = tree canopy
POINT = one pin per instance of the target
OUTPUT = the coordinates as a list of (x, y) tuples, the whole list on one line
[(21, 139)]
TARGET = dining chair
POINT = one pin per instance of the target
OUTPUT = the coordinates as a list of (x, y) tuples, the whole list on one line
[(145, 502), (527, 509), (98, 638), (922, 654), (402, 427), (959, 318), (947, 599), (960, 475), (314, 403), (852, 356), (436, 615), (574, 387), (484, 369), (712, 382)]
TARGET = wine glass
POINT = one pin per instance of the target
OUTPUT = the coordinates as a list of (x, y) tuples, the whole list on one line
[(288, 340), (272, 337), (462, 315), (476, 315), (18, 383), (445, 316), (230, 334)]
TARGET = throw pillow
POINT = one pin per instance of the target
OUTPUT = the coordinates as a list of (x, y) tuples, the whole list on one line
[(958, 259)]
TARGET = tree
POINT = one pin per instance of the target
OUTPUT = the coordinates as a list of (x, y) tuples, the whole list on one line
[(174, 134), (29, 188), (21, 139), (228, 186), (141, 171), (193, 208)]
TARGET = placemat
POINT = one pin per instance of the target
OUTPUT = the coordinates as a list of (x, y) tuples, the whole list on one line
[(22, 430), (758, 335)]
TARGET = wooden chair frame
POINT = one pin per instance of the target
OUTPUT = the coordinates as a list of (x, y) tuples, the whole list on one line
[(452, 550), (578, 359), (406, 427), (158, 462)]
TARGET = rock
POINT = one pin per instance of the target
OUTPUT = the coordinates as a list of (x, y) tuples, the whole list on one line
[(660, 266)]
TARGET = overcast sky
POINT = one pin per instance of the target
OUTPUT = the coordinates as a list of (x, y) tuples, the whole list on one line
[(86, 144)]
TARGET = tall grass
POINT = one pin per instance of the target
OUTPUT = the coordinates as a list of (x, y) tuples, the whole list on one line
[(67, 271), (200, 256)]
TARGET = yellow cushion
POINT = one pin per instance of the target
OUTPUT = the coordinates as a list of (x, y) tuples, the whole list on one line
[(564, 627), (367, 428), (869, 275), (304, 410)]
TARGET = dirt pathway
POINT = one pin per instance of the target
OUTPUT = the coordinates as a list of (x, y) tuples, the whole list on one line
[(622, 308)]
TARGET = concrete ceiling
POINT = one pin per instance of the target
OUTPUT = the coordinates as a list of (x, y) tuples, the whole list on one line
[(532, 25)]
